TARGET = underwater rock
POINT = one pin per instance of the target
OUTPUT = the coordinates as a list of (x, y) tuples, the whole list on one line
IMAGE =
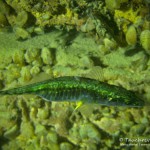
[(131, 35), (21, 18), (43, 113), (1, 75), (40, 129), (66, 146), (48, 145), (21, 33), (18, 57), (137, 115), (109, 125), (112, 4), (31, 55), (37, 62), (39, 30), (109, 44), (25, 73), (3, 20), (46, 56), (34, 70), (12, 73), (27, 129), (4, 8), (8, 113), (119, 60), (12, 132), (91, 146), (86, 62), (145, 40), (48, 70), (138, 129), (88, 131), (52, 137), (49, 140), (1, 83), (88, 26)]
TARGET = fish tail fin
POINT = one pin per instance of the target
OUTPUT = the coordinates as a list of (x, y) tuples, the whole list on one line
[(12, 91), (6, 92)]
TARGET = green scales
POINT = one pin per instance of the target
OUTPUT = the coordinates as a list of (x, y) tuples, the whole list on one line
[(87, 90)]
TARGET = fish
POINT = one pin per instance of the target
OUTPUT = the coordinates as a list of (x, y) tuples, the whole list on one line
[(76, 88)]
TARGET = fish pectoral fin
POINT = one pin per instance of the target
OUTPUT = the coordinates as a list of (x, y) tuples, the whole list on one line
[(79, 104)]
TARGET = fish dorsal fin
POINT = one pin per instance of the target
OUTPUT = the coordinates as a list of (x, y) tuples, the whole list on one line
[(95, 73), (39, 78)]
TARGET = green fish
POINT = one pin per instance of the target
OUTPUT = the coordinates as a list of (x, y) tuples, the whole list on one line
[(83, 89)]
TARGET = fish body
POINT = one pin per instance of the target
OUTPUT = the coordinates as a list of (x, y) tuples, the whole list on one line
[(72, 88)]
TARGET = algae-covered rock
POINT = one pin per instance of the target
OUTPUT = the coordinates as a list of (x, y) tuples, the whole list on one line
[(49, 141), (25, 73), (66, 146), (131, 35), (18, 57), (137, 115), (138, 129), (112, 4), (31, 55), (27, 129), (52, 136), (48, 70), (12, 73), (34, 70), (21, 33), (43, 113), (3, 20), (12, 132), (46, 56), (109, 125), (4, 8), (144, 39), (39, 30), (88, 131), (21, 18), (40, 129)]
